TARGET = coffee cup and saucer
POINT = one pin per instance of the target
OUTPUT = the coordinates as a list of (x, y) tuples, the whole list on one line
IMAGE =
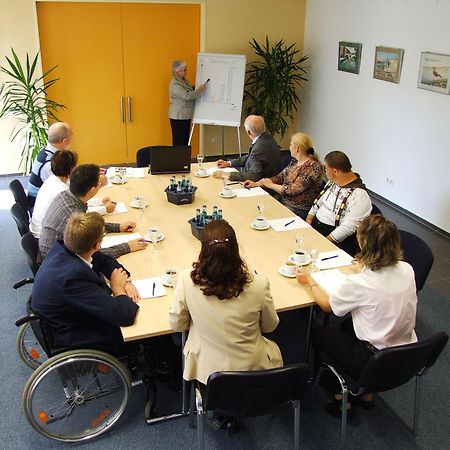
[(300, 257), (227, 193), (260, 224), (118, 179), (288, 269), (169, 279), (139, 203), (202, 173)]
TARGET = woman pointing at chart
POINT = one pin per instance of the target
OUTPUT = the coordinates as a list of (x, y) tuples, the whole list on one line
[(182, 96)]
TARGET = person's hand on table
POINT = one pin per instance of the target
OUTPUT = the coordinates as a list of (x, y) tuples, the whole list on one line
[(128, 227), (309, 219), (218, 174), (137, 244), (202, 87), (132, 291), (222, 163), (110, 206), (251, 184), (118, 279), (304, 277)]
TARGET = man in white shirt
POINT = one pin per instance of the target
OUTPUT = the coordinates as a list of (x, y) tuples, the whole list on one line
[(342, 205)]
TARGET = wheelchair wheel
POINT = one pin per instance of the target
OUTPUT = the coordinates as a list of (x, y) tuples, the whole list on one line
[(76, 395), (28, 347)]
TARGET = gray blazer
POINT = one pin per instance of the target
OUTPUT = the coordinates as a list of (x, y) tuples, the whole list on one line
[(182, 99), (262, 161)]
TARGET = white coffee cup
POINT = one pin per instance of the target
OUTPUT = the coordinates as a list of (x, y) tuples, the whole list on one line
[(260, 222), (138, 202), (227, 192), (289, 268), (300, 257), (201, 172), (170, 277)]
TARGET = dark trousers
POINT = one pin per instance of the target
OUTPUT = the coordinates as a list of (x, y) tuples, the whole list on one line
[(349, 245), (180, 131), (349, 353)]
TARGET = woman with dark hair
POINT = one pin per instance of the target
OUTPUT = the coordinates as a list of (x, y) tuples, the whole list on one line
[(225, 308), (382, 301), (300, 182)]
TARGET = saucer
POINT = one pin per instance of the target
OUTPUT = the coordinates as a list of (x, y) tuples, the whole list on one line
[(136, 205), (160, 237), (282, 272), (305, 263), (113, 181), (165, 281), (206, 175), (260, 228), (228, 196)]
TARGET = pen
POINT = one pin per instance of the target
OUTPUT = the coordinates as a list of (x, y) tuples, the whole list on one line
[(329, 257), (292, 221), (153, 290), (236, 182), (144, 240)]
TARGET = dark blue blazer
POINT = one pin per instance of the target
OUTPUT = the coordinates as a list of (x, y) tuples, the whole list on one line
[(77, 301)]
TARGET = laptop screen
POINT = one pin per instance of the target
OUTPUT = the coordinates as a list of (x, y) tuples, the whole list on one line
[(170, 159)]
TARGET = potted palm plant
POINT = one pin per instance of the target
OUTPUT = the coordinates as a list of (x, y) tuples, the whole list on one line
[(25, 97), (272, 84)]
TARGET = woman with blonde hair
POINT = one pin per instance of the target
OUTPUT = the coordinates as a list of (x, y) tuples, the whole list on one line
[(382, 301), (299, 183)]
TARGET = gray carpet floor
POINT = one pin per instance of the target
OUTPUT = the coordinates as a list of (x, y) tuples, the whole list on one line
[(377, 429)]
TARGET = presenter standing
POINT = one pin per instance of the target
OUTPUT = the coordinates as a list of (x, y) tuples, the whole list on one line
[(182, 96)]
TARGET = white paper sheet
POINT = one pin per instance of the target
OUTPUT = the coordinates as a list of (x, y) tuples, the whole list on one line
[(253, 192), (113, 239), (338, 259), (146, 290), (129, 172), (120, 208), (211, 170), (329, 280), (288, 224)]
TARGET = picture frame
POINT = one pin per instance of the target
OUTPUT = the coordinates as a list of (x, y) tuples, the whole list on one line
[(434, 72), (388, 64), (349, 56)]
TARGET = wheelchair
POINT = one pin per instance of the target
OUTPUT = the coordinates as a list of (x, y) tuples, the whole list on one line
[(76, 394)]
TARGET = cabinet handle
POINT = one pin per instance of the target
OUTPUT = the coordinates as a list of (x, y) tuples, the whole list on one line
[(129, 108), (122, 111)]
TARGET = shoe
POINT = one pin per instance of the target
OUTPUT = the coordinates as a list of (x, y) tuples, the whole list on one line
[(334, 408), (366, 404)]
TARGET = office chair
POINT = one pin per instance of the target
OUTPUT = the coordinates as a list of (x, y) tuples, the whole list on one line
[(21, 217), (286, 159), (417, 253), (375, 210), (386, 370), (19, 194), (30, 246), (143, 157), (252, 394)]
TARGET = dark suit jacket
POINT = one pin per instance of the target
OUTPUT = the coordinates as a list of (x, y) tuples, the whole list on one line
[(262, 161), (78, 303)]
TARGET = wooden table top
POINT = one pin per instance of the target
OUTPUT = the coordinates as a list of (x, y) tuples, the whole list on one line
[(264, 251)]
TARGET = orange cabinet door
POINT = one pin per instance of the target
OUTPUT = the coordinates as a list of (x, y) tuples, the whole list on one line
[(85, 41), (154, 35)]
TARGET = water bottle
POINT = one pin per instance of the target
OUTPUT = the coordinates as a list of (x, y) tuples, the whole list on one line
[(219, 214), (214, 213), (204, 214), (188, 187), (197, 216), (179, 188), (183, 183)]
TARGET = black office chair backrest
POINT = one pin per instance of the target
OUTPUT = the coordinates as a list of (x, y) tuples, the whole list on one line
[(394, 366), (19, 194), (286, 159), (375, 210), (143, 157), (21, 217), (30, 246), (255, 393), (417, 253)]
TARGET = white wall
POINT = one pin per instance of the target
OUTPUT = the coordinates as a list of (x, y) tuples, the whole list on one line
[(388, 130)]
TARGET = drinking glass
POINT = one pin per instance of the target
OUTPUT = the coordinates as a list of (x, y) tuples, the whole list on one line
[(314, 257), (225, 176), (260, 208), (298, 241), (153, 237), (200, 159)]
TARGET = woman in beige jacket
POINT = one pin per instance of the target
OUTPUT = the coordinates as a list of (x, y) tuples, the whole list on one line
[(182, 96), (225, 308)]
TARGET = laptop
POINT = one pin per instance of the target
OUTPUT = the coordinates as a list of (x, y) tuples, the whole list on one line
[(170, 159)]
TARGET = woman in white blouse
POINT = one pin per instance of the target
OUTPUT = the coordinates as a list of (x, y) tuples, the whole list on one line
[(382, 301)]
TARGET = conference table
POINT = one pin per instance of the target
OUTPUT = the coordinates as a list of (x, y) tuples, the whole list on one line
[(263, 250)]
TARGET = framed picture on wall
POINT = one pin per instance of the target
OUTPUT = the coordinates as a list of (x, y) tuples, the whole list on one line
[(388, 64), (434, 72), (349, 57)]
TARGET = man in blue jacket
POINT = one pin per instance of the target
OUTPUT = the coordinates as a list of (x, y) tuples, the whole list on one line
[(70, 292)]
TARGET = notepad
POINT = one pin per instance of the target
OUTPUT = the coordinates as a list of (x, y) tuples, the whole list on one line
[(288, 224), (337, 258), (146, 290), (211, 170), (329, 280), (114, 239), (253, 192)]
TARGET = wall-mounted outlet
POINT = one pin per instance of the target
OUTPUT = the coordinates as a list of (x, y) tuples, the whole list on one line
[(214, 140), (390, 181)]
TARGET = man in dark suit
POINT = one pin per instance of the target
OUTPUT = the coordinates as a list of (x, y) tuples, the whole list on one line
[(69, 289), (263, 159)]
